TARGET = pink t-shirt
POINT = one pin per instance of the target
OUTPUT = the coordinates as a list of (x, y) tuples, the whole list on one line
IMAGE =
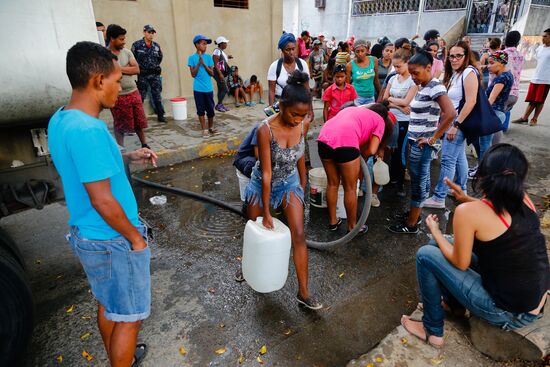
[(437, 66), (351, 127)]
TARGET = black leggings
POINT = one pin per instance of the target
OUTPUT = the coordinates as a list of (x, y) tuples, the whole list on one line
[(222, 88), (396, 165)]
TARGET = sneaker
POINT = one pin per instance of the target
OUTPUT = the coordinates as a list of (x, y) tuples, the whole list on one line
[(472, 173), (310, 302), (219, 107), (239, 276), (401, 191), (261, 102), (213, 132), (434, 204), (402, 228), (334, 227), (225, 108), (161, 118), (205, 134), (375, 202), (238, 105), (407, 177), (364, 229), (402, 217)]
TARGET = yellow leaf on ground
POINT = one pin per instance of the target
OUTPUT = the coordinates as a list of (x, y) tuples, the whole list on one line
[(220, 351), (260, 361), (222, 325), (86, 317), (436, 360), (183, 351), (341, 275), (370, 365), (241, 358), (288, 332), (378, 360), (59, 359), (70, 309), (263, 350), (85, 336), (404, 341), (38, 262), (87, 355)]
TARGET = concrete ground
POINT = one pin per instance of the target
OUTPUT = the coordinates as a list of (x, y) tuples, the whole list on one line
[(365, 285)]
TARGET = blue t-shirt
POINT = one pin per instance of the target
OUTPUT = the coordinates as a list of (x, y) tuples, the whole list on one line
[(507, 79), (84, 151), (203, 81)]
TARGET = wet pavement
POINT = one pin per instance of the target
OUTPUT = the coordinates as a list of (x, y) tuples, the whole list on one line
[(365, 285)]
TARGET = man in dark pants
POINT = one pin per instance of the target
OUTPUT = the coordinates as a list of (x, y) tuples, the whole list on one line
[(149, 56)]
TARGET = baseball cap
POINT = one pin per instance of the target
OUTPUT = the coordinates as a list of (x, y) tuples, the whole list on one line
[(200, 37), (149, 28), (221, 39), (317, 42), (321, 34)]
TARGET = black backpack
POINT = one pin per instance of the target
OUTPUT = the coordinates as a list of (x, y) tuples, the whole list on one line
[(280, 66)]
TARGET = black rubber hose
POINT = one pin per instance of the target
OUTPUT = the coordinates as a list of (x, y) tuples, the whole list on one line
[(310, 243)]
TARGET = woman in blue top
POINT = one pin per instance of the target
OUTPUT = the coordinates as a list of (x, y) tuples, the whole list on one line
[(363, 73), (500, 87)]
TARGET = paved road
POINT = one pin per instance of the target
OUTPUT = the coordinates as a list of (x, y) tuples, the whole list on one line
[(366, 284)]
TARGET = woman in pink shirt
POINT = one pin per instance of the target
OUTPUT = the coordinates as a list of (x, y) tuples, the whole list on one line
[(353, 132), (437, 66)]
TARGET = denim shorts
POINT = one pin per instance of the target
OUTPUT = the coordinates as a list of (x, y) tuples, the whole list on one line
[(119, 277), (360, 101), (279, 191)]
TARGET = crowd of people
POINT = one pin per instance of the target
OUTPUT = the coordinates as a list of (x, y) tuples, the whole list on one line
[(384, 102)]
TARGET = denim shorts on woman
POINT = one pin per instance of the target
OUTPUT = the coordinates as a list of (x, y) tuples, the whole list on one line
[(119, 277), (279, 191)]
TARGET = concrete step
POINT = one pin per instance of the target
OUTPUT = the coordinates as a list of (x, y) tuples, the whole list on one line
[(530, 343)]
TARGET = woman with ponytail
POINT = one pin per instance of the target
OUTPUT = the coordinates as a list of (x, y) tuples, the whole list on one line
[(498, 265), (279, 177)]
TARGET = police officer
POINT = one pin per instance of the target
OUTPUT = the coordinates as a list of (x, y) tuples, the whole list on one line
[(149, 56)]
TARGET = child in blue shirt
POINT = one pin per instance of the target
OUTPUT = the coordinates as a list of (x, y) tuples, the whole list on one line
[(201, 66)]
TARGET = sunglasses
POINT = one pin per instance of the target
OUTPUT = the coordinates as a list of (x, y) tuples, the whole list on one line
[(456, 57)]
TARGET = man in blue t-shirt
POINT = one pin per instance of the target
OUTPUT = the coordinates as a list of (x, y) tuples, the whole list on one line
[(105, 232), (201, 66)]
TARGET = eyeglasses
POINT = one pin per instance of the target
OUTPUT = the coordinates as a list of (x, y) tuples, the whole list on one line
[(456, 57)]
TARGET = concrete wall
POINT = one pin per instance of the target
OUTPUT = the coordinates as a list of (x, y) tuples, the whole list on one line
[(302, 15), (537, 21), (253, 33)]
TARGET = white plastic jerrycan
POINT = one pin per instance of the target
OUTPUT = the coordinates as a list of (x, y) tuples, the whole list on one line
[(265, 255), (381, 172)]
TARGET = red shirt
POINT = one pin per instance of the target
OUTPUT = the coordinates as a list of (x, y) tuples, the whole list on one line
[(336, 97)]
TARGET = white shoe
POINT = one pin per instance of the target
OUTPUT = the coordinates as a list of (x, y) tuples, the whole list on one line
[(432, 203), (374, 202)]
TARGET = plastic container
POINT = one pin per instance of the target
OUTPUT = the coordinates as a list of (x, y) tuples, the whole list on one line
[(318, 187), (266, 255), (340, 208), (179, 108), (381, 172), (243, 182)]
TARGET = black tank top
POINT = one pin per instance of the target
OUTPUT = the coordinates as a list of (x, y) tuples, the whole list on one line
[(514, 266)]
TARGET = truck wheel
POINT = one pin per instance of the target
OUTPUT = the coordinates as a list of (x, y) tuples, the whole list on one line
[(16, 310)]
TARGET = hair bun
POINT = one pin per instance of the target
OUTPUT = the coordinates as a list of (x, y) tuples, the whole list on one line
[(297, 77)]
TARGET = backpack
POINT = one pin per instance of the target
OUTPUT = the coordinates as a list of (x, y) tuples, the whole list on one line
[(280, 66)]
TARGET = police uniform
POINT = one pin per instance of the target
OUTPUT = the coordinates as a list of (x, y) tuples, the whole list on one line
[(149, 59)]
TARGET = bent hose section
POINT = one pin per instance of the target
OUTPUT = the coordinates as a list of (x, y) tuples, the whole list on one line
[(310, 243)]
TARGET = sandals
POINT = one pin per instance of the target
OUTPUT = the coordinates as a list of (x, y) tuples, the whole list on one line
[(426, 338), (533, 122), (205, 134), (521, 120), (139, 354)]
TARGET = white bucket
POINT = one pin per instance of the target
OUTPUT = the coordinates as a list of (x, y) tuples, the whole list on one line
[(340, 208), (243, 182), (318, 187), (179, 108)]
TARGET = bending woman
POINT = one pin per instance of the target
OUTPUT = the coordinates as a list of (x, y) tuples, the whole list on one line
[(498, 266), (279, 177), (354, 131)]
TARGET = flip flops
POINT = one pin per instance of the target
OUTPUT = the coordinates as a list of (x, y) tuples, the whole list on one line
[(426, 338), (139, 354)]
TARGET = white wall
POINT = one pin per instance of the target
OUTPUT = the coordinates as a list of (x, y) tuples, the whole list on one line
[(300, 15)]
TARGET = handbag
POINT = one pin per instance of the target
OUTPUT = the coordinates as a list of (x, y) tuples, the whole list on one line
[(482, 120)]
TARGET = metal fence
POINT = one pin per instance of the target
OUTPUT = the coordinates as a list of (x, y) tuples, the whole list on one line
[(379, 7), (541, 2)]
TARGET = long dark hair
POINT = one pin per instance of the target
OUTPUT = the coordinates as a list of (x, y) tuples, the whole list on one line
[(382, 110), (501, 176), (469, 59)]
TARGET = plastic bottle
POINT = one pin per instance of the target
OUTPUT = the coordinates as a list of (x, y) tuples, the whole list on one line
[(266, 255), (381, 172)]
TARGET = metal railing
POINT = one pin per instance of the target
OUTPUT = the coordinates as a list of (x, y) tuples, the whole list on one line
[(541, 2), (381, 7)]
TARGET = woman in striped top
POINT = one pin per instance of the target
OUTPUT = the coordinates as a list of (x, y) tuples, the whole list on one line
[(343, 55), (432, 113)]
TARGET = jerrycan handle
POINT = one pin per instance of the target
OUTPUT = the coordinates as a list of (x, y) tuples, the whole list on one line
[(259, 221)]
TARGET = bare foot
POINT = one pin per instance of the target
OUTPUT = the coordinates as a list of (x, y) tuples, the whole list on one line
[(416, 328)]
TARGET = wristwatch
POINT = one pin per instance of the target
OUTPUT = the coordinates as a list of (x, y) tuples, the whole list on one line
[(456, 124)]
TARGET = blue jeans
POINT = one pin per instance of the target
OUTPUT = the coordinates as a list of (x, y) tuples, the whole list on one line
[(453, 159), (484, 144), (419, 170), (119, 276), (359, 101), (438, 278)]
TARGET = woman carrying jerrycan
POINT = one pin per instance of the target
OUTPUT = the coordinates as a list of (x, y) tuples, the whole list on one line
[(279, 177)]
